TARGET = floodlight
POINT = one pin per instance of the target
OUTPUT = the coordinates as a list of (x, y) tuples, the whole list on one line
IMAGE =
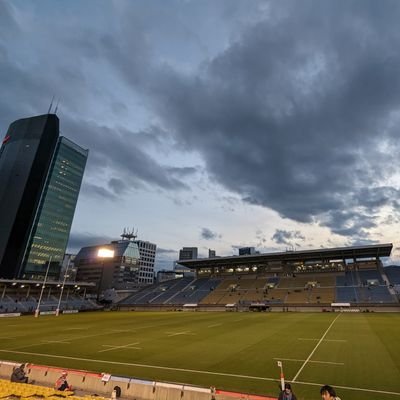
[(105, 253)]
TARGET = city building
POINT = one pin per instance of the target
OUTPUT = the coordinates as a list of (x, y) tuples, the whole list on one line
[(40, 179), (147, 253), (188, 253), (113, 265), (247, 251), (211, 253)]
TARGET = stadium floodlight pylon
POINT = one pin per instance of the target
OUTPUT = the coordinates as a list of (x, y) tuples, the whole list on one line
[(37, 311)]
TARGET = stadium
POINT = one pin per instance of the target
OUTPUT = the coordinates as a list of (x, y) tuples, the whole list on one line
[(329, 316)]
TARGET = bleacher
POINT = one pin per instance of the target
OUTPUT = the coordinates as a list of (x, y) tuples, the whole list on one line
[(9, 304), (346, 294), (195, 292), (173, 290), (393, 274), (370, 275), (354, 286), (21, 390), (158, 293)]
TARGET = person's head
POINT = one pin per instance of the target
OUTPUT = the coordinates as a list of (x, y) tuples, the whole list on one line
[(288, 388), (327, 392), (64, 374)]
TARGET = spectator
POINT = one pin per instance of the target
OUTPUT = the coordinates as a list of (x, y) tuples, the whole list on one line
[(18, 375), (61, 383), (328, 393), (287, 393)]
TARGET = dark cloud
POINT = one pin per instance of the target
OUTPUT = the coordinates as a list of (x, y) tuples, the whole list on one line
[(282, 236), (118, 150), (208, 234), (363, 242), (299, 113), (77, 240), (93, 190), (117, 185)]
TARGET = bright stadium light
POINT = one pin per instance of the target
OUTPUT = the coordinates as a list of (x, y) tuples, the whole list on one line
[(105, 253)]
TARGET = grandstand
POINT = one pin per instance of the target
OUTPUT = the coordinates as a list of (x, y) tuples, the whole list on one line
[(22, 296), (316, 279), (292, 281)]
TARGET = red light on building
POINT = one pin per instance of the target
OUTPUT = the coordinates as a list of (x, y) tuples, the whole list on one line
[(6, 139)]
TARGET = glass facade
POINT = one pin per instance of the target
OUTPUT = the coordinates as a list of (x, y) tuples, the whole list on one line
[(50, 233)]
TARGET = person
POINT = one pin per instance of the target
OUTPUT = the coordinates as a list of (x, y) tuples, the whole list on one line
[(61, 382), (287, 393), (18, 375), (328, 393)]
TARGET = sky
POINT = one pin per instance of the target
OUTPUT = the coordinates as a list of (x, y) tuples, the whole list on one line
[(218, 124)]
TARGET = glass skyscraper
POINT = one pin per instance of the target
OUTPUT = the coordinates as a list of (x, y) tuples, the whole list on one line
[(40, 179), (53, 222)]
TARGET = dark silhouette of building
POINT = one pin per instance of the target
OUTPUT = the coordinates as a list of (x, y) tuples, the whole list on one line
[(40, 179), (188, 253)]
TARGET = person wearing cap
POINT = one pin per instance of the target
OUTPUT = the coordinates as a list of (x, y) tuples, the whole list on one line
[(287, 393), (328, 393), (61, 382)]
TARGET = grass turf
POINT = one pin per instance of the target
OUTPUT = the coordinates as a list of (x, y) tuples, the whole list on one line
[(232, 351)]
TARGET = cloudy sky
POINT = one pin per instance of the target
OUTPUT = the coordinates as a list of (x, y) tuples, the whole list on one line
[(218, 123)]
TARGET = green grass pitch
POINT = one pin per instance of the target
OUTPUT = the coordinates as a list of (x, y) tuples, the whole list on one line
[(359, 354)]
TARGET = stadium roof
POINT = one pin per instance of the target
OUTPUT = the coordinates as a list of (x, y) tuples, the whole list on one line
[(354, 252)]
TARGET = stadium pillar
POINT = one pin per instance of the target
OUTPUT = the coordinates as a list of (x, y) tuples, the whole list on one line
[(62, 290)]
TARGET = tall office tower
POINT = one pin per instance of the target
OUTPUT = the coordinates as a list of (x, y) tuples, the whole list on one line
[(40, 178), (147, 253)]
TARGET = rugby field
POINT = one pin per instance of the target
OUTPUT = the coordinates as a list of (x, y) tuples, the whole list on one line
[(359, 354)]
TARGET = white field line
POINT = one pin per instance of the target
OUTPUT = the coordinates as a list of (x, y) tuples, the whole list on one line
[(70, 339), (315, 348), (325, 340), (212, 326), (55, 341), (127, 346), (76, 329), (193, 371), (317, 362), (179, 333)]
